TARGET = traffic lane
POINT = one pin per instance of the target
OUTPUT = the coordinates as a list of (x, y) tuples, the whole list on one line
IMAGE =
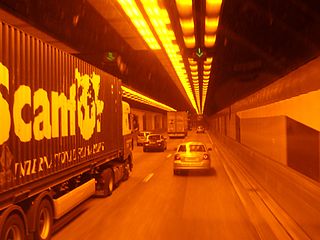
[(143, 161), (194, 206), (93, 210), (164, 206)]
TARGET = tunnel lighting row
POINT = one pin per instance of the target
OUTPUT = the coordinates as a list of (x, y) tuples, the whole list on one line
[(186, 22), (138, 97), (211, 21), (132, 10), (195, 79), (161, 24), (205, 80)]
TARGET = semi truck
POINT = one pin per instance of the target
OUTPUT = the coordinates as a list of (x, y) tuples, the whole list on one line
[(65, 134), (177, 124)]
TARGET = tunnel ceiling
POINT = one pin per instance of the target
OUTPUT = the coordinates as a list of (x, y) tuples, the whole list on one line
[(257, 42)]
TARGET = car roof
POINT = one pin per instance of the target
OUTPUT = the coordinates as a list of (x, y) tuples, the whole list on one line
[(155, 134), (192, 143)]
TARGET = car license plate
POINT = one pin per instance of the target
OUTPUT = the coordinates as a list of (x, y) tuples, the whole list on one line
[(191, 164), (194, 159)]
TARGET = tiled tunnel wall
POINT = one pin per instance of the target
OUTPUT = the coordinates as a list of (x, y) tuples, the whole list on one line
[(280, 121), (274, 135)]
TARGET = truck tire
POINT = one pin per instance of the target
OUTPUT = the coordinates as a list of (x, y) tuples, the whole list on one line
[(13, 228), (44, 220), (127, 170), (108, 180)]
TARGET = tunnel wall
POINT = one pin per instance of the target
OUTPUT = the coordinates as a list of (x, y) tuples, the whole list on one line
[(150, 121), (280, 121), (274, 134)]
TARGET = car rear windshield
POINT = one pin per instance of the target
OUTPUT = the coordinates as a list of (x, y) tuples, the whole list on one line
[(154, 137), (182, 148), (197, 148)]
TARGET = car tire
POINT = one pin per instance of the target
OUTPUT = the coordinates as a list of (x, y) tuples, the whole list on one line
[(144, 149), (176, 172)]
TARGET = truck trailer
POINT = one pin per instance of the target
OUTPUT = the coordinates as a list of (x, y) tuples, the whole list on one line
[(177, 124), (65, 134)]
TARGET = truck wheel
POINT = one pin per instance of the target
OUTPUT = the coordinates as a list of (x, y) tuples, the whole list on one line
[(107, 176), (44, 220), (127, 170), (13, 228)]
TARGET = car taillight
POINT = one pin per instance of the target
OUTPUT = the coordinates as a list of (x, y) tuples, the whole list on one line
[(177, 157), (206, 156)]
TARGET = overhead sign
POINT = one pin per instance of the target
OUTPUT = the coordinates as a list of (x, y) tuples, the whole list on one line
[(110, 56), (199, 53)]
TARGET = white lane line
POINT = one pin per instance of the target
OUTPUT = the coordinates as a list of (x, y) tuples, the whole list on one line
[(169, 155), (148, 177)]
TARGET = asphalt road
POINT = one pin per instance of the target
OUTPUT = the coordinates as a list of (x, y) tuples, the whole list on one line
[(155, 204)]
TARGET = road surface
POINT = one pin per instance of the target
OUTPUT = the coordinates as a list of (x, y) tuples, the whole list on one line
[(155, 204)]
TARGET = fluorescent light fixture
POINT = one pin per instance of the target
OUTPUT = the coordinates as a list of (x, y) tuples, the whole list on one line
[(134, 95), (211, 25), (206, 67), (184, 8), (209, 40), (131, 9), (187, 26), (160, 21), (194, 68), (189, 41), (192, 62), (213, 7), (208, 60)]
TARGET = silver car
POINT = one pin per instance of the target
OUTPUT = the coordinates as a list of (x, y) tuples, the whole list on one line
[(155, 142), (200, 129), (142, 137), (191, 155)]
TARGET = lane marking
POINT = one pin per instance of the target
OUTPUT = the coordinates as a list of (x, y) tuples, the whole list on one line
[(169, 155), (148, 177)]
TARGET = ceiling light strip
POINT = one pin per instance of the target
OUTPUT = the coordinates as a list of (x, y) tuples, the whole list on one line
[(195, 79), (160, 21), (211, 21), (131, 94), (131, 9), (205, 80), (186, 22)]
